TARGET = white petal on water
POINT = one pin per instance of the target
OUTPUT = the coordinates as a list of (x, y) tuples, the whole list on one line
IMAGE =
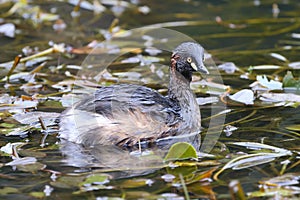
[(295, 35), (8, 30), (83, 4), (144, 9), (22, 161), (229, 129), (245, 96), (152, 51), (134, 59), (32, 118), (48, 189), (168, 177), (264, 67), (272, 85), (8, 148), (280, 97), (295, 65), (149, 182), (278, 56), (228, 67)]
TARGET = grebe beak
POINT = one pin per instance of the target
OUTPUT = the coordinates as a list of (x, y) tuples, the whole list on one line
[(200, 68)]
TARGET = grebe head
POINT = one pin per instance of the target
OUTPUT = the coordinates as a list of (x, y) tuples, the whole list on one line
[(187, 58)]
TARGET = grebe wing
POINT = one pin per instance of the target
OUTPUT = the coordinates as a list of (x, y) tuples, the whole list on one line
[(122, 115)]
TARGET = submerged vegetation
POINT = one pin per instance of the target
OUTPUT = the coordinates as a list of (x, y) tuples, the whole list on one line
[(42, 70)]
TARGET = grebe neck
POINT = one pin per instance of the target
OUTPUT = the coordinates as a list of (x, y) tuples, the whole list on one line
[(180, 92)]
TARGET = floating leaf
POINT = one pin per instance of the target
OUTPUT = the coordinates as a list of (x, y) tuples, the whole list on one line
[(98, 179), (68, 182), (38, 195), (290, 81), (181, 151), (33, 168), (245, 96), (8, 190), (135, 183), (178, 152), (186, 170), (205, 175), (295, 127), (36, 154)]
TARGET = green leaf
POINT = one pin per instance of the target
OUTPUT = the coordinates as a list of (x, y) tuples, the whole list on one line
[(135, 183), (295, 127), (67, 182), (290, 81), (8, 190), (181, 151), (99, 179), (38, 195)]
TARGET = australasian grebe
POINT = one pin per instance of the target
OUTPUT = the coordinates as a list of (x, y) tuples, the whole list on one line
[(126, 115)]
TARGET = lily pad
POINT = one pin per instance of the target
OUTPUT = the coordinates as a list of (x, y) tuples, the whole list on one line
[(181, 151)]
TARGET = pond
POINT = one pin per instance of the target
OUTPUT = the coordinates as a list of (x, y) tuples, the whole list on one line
[(57, 52)]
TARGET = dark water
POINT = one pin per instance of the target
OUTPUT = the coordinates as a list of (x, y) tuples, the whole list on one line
[(245, 34)]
